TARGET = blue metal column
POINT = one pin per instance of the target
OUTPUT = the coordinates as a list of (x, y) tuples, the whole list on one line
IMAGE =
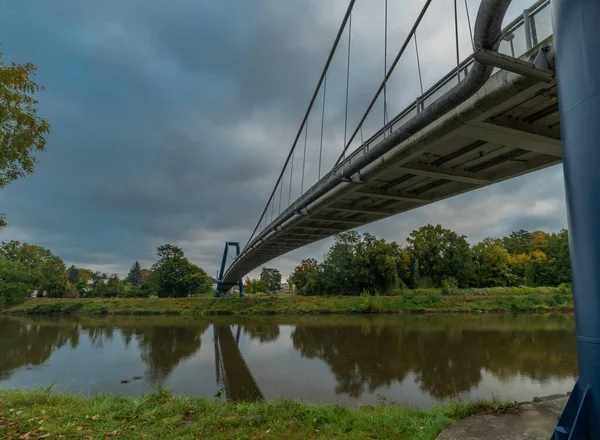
[(578, 75), (222, 271)]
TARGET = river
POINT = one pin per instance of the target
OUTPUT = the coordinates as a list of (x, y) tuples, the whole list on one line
[(410, 359)]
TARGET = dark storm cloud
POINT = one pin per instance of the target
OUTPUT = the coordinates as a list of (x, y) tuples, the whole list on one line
[(170, 120)]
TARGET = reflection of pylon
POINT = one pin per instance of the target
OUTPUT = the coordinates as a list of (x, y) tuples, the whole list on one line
[(231, 368), (222, 272)]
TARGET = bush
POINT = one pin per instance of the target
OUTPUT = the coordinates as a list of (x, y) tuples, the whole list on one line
[(449, 286)]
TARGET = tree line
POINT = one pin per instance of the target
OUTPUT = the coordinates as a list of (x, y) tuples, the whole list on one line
[(435, 257), (30, 270)]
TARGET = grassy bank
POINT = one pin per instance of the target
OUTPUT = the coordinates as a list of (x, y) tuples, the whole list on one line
[(163, 416), (419, 301)]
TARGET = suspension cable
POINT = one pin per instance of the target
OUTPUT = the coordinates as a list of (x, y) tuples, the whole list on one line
[(469, 23), (418, 63), (385, 112), (310, 105), (347, 83), (304, 159), (387, 77), (322, 123), (456, 36), (280, 194), (291, 174)]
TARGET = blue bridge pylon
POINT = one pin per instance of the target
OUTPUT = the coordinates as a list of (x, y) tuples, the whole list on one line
[(222, 271)]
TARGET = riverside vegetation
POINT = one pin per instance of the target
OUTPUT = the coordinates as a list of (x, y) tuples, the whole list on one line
[(436, 260)]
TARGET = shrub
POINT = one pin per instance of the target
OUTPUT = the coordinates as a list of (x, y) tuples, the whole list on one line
[(449, 286)]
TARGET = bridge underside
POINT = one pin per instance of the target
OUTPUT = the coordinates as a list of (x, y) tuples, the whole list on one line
[(509, 128)]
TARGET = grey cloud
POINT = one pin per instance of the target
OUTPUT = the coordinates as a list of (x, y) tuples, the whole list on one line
[(170, 123)]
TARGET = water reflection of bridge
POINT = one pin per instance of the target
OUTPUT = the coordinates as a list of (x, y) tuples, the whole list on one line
[(231, 368)]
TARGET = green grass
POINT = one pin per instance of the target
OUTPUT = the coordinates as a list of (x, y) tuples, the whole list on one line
[(522, 299), (162, 415)]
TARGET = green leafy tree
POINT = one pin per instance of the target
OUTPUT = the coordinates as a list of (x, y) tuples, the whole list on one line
[(518, 242), (441, 253), (271, 279), (22, 131), (176, 276), (255, 285), (135, 275), (55, 283), (14, 282), (558, 250)]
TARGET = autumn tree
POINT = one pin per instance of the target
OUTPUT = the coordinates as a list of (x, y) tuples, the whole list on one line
[(306, 271), (22, 131), (492, 263)]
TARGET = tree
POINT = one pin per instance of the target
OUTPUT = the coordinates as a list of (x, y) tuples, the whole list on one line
[(14, 282), (558, 250), (176, 276), (135, 275), (518, 242), (73, 274), (271, 279), (492, 263), (440, 254), (307, 270), (54, 278), (22, 131), (255, 285)]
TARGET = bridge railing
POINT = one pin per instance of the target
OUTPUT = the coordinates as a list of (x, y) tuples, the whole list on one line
[(533, 26)]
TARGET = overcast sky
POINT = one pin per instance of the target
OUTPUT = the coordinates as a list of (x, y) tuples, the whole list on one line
[(171, 121)]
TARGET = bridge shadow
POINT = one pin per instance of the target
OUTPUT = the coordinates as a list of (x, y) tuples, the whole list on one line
[(232, 371)]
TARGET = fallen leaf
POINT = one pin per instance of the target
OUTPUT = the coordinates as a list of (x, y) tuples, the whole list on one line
[(26, 435), (19, 413), (96, 417), (79, 428), (115, 432)]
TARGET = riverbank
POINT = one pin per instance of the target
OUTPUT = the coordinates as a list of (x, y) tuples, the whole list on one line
[(544, 299), (166, 416)]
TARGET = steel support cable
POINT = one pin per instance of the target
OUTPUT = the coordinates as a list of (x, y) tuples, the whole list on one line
[(291, 175), (280, 197), (347, 83), (487, 35), (322, 123), (419, 64), (387, 77), (385, 38), (456, 36), (469, 23), (304, 159), (310, 105)]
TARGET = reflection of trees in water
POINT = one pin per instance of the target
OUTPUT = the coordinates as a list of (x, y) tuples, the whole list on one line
[(445, 359), (164, 347), (261, 330), (32, 343)]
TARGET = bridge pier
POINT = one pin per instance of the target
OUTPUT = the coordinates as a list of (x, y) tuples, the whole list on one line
[(578, 76)]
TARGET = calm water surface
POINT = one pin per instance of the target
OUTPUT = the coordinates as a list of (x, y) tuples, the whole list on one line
[(417, 360)]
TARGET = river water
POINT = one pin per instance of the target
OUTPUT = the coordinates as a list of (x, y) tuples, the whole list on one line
[(416, 360)]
